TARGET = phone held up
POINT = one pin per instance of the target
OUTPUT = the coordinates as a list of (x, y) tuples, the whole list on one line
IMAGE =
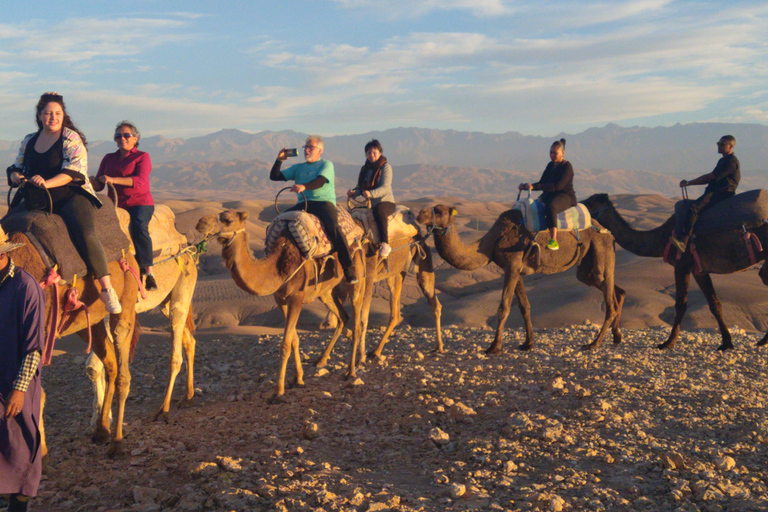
[(291, 152)]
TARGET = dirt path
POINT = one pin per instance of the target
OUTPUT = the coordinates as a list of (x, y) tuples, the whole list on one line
[(626, 428)]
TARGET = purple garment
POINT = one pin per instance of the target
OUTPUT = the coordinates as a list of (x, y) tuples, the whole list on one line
[(22, 308)]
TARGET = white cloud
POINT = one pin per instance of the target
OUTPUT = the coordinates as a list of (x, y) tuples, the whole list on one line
[(415, 8)]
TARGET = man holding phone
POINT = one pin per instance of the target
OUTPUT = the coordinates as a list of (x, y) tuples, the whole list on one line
[(315, 179)]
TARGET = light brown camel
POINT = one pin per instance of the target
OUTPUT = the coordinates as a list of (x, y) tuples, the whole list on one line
[(176, 279), (721, 253), (122, 328), (405, 251), (507, 245), (284, 274)]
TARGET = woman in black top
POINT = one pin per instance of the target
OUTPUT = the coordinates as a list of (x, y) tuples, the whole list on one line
[(557, 185)]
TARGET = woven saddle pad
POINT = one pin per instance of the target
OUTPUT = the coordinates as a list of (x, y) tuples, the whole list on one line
[(308, 233), (402, 223), (577, 217), (50, 236)]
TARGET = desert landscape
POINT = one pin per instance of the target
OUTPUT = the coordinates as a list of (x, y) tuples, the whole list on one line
[(626, 427)]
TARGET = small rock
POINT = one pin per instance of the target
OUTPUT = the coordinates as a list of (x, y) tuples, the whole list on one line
[(725, 463), (229, 464), (459, 411), (203, 469), (310, 430), (439, 437), (458, 490)]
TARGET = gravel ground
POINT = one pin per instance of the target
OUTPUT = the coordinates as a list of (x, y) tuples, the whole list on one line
[(625, 428)]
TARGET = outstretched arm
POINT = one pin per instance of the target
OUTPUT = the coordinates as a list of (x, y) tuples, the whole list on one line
[(701, 180)]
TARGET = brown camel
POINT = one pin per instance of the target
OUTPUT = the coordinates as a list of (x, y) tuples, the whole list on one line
[(509, 245), (176, 279), (721, 253), (121, 326), (285, 274), (405, 251)]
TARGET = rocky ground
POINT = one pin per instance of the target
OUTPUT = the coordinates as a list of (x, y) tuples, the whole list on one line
[(624, 428)]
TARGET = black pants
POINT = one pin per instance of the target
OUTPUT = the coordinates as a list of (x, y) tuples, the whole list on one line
[(329, 217), (381, 213), (685, 226), (555, 204), (139, 229), (78, 212)]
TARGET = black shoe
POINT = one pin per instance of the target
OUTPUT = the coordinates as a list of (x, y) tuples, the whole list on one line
[(350, 276), (16, 505), (150, 283)]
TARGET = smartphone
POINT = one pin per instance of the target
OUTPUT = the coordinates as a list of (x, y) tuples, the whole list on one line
[(291, 152)]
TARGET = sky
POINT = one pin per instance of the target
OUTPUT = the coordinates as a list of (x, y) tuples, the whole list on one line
[(184, 69)]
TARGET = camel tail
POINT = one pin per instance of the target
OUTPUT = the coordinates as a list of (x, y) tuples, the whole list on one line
[(190, 321), (135, 338)]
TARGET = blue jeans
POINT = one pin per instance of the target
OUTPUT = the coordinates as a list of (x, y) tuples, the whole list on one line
[(139, 229)]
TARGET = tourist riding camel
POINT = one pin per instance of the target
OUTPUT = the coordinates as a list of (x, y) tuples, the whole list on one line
[(54, 161), (721, 184), (375, 183), (128, 169), (315, 181), (557, 185)]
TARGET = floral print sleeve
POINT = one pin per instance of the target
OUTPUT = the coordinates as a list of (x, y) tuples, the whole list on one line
[(75, 159)]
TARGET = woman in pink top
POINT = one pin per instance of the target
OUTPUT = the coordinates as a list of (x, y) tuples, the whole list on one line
[(128, 170)]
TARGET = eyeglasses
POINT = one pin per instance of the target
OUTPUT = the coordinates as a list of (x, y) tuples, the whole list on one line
[(123, 135), (311, 148)]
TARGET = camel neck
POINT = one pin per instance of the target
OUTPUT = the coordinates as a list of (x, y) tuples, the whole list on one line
[(649, 243)]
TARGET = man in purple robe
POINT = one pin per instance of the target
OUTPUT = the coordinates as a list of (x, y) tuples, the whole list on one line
[(22, 308)]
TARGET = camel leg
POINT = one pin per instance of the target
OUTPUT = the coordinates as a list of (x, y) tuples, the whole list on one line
[(511, 278), (123, 329), (357, 293), (298, 381), (365, 311), (395, 292), (708, 289), (619, 295), (610, 312), (94, 369), (525, 310), (425, 276), (189, 349), (336, 309), (177, 314), (105, 350), (291, 308), (682, 281)]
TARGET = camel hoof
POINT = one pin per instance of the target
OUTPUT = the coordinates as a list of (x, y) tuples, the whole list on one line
[(186, 403), (762, 342), (161, 415), (493, 349), (350, 375), (297, 385), (321, 363), (616, 339), (725, 346), (46, 460), (589, 346), (100, 436), (664, 346), (525, 347), (277, 400), (117, 450), (373, 355)]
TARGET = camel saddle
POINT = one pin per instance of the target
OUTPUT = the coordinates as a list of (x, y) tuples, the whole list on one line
[(49, 235), (166, 240), (747, 210), (574, 218), (402, 223), (308, 233)]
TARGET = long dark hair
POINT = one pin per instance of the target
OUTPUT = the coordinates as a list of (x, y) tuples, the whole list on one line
[(54, 97)]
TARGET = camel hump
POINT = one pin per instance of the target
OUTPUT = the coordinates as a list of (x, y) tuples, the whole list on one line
[(577, 217), (308, 233), (50, 236), (166, 240), (402, 223), (748, 209)]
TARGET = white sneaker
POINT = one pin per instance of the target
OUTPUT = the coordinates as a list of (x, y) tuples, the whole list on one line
[(110, 299), (384, 250)]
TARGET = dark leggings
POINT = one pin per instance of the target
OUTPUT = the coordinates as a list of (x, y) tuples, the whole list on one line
[(78, 212), (139, 229), (329, 217), (705, 202), (554, 205), (381, 213)]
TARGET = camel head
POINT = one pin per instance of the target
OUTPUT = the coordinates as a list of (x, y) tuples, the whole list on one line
[(440, 216), (225, 225), (208, 225), (596, 203)]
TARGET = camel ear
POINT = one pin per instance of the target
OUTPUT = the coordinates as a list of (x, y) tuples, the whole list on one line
[(454, 211), (242, 214)]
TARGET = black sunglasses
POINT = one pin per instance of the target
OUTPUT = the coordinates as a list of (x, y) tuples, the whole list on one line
[(123, 135)]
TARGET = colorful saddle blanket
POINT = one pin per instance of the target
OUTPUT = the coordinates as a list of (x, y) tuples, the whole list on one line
[(402, 223), (748, 209), (576, 217), (166, 240), (49, 235), (308, 233)]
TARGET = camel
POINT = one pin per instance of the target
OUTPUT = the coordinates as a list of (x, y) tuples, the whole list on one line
[(176, 280), (121, 327), (508, 244), (286, 275), (716, 252), (404, 252)]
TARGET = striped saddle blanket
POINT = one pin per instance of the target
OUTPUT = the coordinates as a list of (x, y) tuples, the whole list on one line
[(402, 223), (576, 217), (308, 233)]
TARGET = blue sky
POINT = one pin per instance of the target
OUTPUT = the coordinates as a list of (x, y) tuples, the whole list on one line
[(181, 69)]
